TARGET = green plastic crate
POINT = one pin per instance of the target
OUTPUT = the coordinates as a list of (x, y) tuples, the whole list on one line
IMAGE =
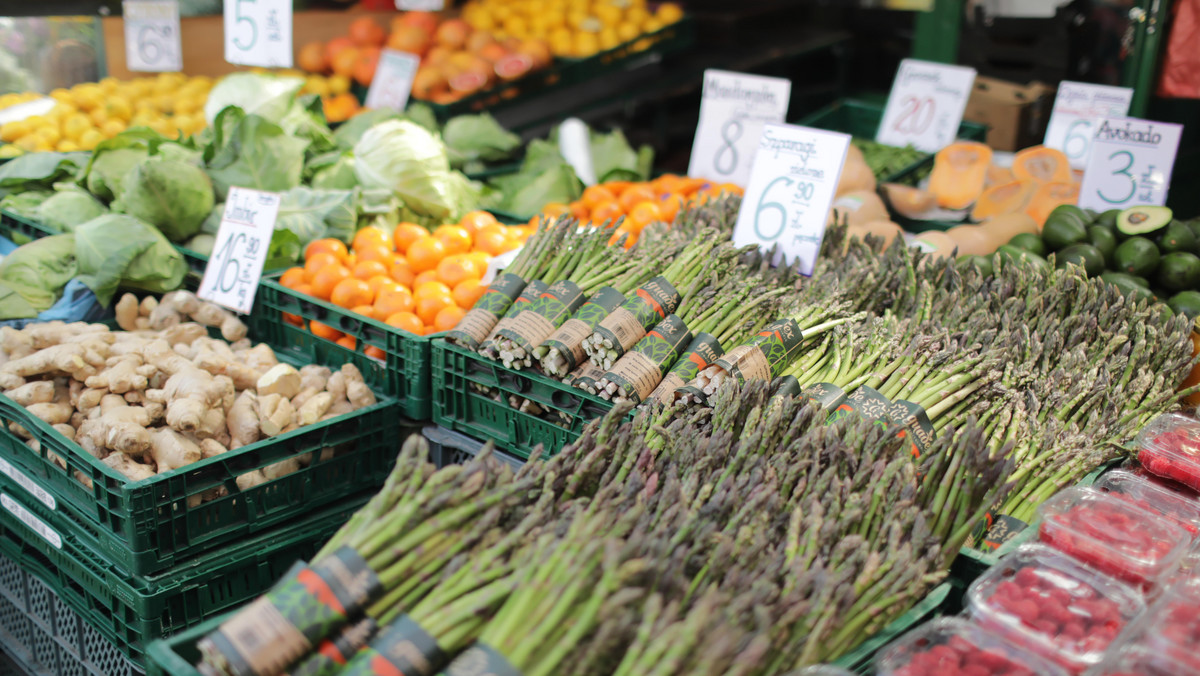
[(20, 229), (131, 611), (147, 526), (460, 405), (402, 373)]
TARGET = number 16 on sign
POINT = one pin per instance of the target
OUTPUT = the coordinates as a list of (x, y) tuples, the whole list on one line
[(240, 251), (795, 174)]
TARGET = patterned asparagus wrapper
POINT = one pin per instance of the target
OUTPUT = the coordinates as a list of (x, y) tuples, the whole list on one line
[(566, 343), (866, 402), (585, 376), (478, 323), (403, 648), (625, 326), (827, 395), (283, 625), (334, 653), (703, 350), (785, 386), (481, 660), (541, 317), (765, 354), (918, 429), (531, 291), (640, 370)]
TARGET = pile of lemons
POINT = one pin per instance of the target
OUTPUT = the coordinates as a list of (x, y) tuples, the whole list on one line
[(573, 28), (86, 114)]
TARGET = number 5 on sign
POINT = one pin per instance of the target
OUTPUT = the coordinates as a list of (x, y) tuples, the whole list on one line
[(240, 251), (1130, 163), (795, 173), (259, 33), (926, 105)]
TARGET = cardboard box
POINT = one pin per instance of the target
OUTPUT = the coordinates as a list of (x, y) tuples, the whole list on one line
[(1016, 115)]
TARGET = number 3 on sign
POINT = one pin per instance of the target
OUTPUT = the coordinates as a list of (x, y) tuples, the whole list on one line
[(1117, 158)]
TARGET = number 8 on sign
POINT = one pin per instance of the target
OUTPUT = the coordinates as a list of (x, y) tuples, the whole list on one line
[(731, 131)]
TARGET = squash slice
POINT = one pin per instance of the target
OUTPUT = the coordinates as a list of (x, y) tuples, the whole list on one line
[(1048, 197), (1042, 164), (959, 171), (1003, 199)]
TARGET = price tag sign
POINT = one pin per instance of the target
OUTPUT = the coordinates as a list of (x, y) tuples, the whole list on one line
[(926, 105), (152, 36), (733, 109), (243, 238), (795, 175), (1077, 107), (1130, 164), (420, 5), (393, 80), (259, 33)]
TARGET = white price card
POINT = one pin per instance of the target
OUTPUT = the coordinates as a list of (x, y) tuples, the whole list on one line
[(1077, 107), (152, 36), (795, 175), (925, 107), (240, 251), (393, 80), (259, 33), (420, 5), (733, 109), (1130, 164), (28, 484)]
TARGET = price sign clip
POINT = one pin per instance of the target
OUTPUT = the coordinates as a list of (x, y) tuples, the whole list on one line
[(240, 250)]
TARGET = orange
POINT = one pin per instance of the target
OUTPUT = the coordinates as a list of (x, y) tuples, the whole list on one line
[(292, 278), (467, 292), (456, 238), (351, 292), (431, 289), (327, 278), (407, 233), (327, 245), (402, 272), (474, 220), (312, 58), (670, 206), (365, 32), (666, 183), (294, 320), (453, 270), (426, 253), (429, 306), (625, 229), (688, 186), (380, 253), (366, 269), (365, 65), (634, 195), (371, 235), (375, 352), (487, 229), (364, 310), (554, 210), (448, 317), (380, 282), (579, 210), (643, 214), (348, 342), (480, 257), (337, 46), (405, 321), (491, 243), (596, 194), (619, 187), (510, 244), (607, 211), (324, 331), (316, 262), (427, 276), (343, 62), (391, 301)]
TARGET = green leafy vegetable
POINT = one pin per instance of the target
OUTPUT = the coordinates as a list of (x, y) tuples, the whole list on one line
[(614, 159), (32, 277), (68, 208), (312, 214), (268, 96), (26, 203), (174, 196), (255, 153), (478, 138), (404, 157), (118, 250), (40, 171), (350, 131), (544, 177), (108, 168), (334, 172)]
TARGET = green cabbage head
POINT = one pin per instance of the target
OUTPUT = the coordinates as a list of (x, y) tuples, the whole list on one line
[(171, 195)]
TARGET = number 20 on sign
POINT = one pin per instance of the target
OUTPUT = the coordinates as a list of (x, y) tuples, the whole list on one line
[(240, 251), (795, 175), (1130, 163)]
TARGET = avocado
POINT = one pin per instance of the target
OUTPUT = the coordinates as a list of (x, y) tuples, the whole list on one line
[(1179, 271), (1107, 218), (1177, 237), (1194, 226), (1127, 284), (1029, 242), (1085, 256), (1104, 240), (1186, 302), (1062, 232), (1143, 220), (1011, 254), (982, 263), (1069, 211), (1136, 256)]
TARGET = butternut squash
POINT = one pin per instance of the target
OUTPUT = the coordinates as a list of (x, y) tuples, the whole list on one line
[(997, 175), (959, 171), (859, 208), (973, 240), (886, 230), (1006, 226), (1003, 199), (1042, 164), (856, 175), (1048, 197), (936, 244), (908, 201)]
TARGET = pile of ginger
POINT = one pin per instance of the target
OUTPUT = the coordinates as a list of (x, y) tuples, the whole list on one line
[(161, 394)]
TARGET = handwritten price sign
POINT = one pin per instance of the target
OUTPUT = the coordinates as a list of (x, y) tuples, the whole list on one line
[(393, 80), (733, 109), (420, 5), (926, 105), (1130, 164), (1077, 108), (240, 251), (796, 171), (259, 33), (152, 36)]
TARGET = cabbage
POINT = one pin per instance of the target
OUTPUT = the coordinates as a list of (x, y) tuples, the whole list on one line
[(25, 204), (118, 250), (314, 214), (267, 96), (253, 152), (171, 195), (412, 162), (32, 277), (68, 208), (108, 168)]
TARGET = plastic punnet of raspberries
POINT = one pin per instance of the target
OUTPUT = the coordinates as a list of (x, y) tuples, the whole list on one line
[(955, 646), (1170, 447), (1183, 509)]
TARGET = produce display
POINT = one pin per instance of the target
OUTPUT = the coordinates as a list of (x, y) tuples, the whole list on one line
[(955, 647), (572, 29)]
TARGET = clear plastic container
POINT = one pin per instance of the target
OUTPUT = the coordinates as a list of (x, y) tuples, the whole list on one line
[(1053, 605), (1169, 447), (953, 646), (1138, 660), (823, 670), (1142, 492), (1113, 536), (1171, 626)]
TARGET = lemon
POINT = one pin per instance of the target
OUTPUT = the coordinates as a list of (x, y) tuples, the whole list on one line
[(608, 38), (99, 116), (118, 108), (609, 13), (339, 84), (315, 84), (28, 142), (483, 20), (668, 12), (586, 44), (61, 95), (74, 126), (36, 121), (49, 134), (14, 130), (112, 127), (637, 16), (66, 146), (7, 100), (652, 26), (89, 139), (517, 26), (109, 84), (9, 151), (628, 32)]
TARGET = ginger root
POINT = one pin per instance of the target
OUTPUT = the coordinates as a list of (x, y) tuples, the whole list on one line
[(172, 450), (37, 392), (132, 469)]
